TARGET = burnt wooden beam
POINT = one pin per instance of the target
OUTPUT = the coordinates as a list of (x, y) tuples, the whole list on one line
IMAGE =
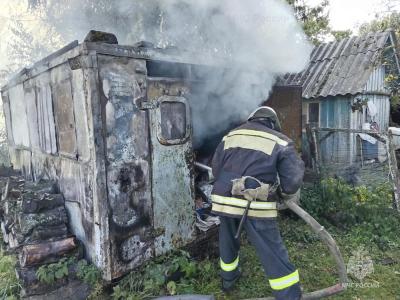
[(376, 135), (28, 222), (48, 252), (31, 203)]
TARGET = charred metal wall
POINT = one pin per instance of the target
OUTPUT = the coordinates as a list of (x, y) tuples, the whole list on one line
[(123, 83), (119, 146), (48, 133)]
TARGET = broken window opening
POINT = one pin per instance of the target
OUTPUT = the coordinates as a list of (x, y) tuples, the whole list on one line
[(313, 114), (173, 120)]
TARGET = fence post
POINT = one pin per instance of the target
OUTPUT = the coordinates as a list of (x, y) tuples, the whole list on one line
[(316, 150), (393, 170)]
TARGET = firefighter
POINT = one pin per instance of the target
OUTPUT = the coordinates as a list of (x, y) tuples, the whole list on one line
[(259, 156)]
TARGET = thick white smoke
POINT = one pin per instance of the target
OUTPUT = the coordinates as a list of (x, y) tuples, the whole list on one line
[(256, 40)]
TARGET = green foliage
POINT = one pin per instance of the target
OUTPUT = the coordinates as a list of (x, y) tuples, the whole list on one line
[(381, 23), (385, 21), (88, 273), (164, 275), (341, 34), (315, 19), (9, 284), (372, 225), (362, 209), (50, 273)]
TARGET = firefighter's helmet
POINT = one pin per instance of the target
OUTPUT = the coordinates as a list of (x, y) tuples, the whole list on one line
[(266, 112)]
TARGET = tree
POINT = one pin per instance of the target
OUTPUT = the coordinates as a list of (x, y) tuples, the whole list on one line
[(341, 34), (315, 19), (389, 19)]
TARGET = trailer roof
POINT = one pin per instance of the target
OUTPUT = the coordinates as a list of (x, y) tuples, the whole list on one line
[(139, 50)]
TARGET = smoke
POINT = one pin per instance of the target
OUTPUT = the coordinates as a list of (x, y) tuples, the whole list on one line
[(257, 41), (251, 43)]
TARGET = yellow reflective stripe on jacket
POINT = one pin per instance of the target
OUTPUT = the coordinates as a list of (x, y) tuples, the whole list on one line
[(257, 133), (249, 142), (242, 203), (285, 282), (237, 211), (229, 267)]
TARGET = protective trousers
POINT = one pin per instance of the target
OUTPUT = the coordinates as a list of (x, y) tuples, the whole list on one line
[(264, 235)]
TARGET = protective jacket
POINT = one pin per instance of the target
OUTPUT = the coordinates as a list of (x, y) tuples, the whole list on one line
[(254, 150)]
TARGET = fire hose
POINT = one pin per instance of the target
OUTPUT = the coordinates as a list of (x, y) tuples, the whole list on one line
[(323, 234)]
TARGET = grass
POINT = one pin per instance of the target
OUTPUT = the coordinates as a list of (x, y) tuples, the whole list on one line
[(311, 257), (9, 285), (358, 217), (364, 221)]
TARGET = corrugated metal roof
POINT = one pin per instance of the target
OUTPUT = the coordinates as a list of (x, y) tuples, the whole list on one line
[(340, 68)]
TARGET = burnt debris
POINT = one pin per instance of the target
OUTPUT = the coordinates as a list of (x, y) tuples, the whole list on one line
[(95, 36), (34, 225)]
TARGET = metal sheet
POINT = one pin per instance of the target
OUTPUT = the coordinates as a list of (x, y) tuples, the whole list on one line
[(341, 68), (81, 119), (128, 162), (7, 116), (30, 99), (335, 112), (46, 125), (19, 121), (172, 179), (65, 119)]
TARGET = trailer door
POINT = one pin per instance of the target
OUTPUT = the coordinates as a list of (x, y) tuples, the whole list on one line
[(172, 161)]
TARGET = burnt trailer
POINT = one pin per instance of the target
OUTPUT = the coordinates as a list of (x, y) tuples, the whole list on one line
[(111, 125)]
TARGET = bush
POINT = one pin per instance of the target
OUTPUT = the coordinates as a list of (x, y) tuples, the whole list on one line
[(164, 275), (9, 284), (366, 209)]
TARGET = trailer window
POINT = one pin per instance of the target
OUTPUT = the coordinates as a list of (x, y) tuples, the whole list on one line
[(173, 120)]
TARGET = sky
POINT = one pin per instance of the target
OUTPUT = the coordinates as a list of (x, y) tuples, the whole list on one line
[(349, 14), (344, 14)]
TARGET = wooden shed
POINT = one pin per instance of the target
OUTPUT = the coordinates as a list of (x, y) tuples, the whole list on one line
[(345, 87)]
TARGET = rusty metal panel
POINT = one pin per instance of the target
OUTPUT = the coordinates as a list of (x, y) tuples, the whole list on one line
[(128, 162), (76, 183), (45, 166), (21, 160), (287, 102), (7, 116), (30, 99), (46, 125), (64, 114), (81, 119), (19, 121), (172, 162)]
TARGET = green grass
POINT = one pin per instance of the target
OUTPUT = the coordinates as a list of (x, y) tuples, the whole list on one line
[(361, 218), (9, 285), (311, 257), (364, 220)]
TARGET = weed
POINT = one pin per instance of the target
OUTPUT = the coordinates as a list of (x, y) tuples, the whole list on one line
[(9, 284), (50, 273), (88, 273)]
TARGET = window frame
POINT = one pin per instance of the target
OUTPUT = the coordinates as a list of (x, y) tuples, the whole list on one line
[(188, 128)]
